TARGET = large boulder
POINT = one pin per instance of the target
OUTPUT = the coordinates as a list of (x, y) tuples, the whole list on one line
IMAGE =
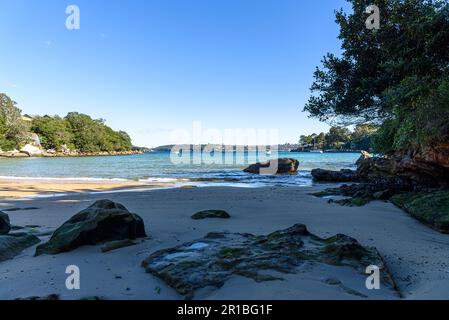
[(274, 166), (5, 226), (101, 222), (344, 175), (14, 243), (31, 150)]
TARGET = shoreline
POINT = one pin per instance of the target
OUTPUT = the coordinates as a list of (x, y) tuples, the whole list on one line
[(29, 188), (21, 154)]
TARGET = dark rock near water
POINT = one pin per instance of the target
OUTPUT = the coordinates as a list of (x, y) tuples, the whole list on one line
[(359, 194), (36, 298), (14, 243), (211, 214), (213, 259), (101, 222), (344, 175), (274, 166), (5, 225)]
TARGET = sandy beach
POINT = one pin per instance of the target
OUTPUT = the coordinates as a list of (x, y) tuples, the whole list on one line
[(416, 255), (27, 188)]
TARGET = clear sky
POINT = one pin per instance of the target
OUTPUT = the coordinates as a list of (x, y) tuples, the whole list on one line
[(152, 66)]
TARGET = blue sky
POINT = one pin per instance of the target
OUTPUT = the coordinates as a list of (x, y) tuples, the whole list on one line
[(149, 67)]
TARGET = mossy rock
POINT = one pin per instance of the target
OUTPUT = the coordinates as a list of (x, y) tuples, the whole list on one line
[(354, 202), (104, 221), (220, 214), (432, 208), (212, 260), (14, 243)]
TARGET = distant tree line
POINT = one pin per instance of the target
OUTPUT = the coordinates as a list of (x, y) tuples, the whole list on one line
[(76, 131), (362, 138)]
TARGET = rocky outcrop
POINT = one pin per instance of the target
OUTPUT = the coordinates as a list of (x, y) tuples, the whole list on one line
[(213, 259), (31, 150), (211, 214), (101, 222), (406, 170), (428, 167), (5, 225), (344, 175), (359, 194), (14, 243), (364, 155), (274, 166), (13, 154)]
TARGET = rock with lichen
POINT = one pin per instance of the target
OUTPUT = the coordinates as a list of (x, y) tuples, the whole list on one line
[(212, 260), (432, 208), (14, 243), (101, 222)]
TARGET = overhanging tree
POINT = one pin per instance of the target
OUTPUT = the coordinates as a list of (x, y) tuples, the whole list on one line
[(397, 76)]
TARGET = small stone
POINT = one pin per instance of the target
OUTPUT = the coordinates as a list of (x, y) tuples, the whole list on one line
[(211, 214)]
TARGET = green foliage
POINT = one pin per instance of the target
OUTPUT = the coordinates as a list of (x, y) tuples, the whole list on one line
[(54, 132), (337, 137), (396, 76), (13, 130), (76, 131), (91, 135), (342, 138)]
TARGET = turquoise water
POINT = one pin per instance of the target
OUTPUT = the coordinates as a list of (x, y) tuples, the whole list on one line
[(158, 167)]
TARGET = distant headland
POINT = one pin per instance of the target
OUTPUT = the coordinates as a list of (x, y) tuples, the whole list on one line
[(74, 135)]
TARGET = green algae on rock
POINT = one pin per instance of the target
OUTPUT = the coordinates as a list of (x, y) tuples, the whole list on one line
[(432, 208), (101, 222), (212, 260)]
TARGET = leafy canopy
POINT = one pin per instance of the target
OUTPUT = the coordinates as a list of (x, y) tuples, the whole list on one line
[(397, 76)]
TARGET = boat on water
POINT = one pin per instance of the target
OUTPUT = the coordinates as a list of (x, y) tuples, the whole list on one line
[(316, 151)]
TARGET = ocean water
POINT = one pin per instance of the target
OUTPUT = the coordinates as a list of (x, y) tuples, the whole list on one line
[(159, 168)]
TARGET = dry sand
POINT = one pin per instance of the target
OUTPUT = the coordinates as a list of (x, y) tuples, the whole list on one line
[(10, 189), (417, 256)]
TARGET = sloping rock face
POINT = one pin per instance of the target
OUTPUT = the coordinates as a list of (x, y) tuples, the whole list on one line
[(13, 244), (274, 166), (101, 222), (405, 170), (428, 167), (213, 259), (5, 226)]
